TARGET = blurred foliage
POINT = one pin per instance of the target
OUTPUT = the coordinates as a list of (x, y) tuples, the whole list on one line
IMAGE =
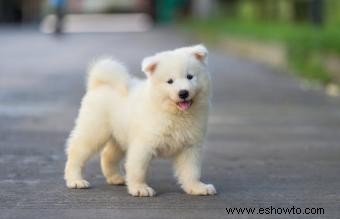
[(333, 12), (287, 22), (168, 9)]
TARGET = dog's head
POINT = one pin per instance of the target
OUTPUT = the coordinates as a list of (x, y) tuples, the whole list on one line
[(178, 79)]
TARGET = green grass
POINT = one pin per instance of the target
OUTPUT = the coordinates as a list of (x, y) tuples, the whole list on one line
[(305, 44)]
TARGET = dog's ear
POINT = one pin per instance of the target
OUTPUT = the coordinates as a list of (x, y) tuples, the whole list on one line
[(200, 53), (149, 65)]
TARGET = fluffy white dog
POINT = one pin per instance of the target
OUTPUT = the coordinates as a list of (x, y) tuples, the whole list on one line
[(162, 116)]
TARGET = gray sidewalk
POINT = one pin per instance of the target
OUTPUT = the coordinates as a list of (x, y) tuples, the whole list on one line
[(270, 143)]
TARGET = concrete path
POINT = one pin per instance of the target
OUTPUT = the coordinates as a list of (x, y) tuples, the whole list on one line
[(271, 142)]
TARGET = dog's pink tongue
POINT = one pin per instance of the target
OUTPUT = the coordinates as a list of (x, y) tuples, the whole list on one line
[(185, 105)]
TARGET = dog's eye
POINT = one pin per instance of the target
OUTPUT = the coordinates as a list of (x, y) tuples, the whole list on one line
[(170, 81), (189, 76)]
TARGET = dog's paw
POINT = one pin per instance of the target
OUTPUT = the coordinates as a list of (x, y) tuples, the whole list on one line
[(141, 191), (78, 184), (200, 189), (116, 180)]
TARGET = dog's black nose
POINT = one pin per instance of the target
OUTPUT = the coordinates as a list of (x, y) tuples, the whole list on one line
[(183, 94)]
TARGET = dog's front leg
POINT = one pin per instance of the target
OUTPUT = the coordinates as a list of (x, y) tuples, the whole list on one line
[(137, 163), (187, 166)]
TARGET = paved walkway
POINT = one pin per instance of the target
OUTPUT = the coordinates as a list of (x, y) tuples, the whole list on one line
[(271, 142)]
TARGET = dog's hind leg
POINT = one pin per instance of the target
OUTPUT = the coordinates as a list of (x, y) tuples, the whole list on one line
[(88, 137), (110, 160)]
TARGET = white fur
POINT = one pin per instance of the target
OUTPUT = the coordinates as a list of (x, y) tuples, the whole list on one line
[(121, 115), (106, 71)]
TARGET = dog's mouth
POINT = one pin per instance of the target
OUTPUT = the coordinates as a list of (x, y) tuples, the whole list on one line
[(184, 105)]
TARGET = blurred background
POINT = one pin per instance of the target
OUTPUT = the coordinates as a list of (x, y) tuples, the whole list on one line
[(302, 35)]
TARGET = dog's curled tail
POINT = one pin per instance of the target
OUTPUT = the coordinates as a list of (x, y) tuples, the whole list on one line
[(108, 72)]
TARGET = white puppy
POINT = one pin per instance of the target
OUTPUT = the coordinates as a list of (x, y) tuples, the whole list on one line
[(162, 116)]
